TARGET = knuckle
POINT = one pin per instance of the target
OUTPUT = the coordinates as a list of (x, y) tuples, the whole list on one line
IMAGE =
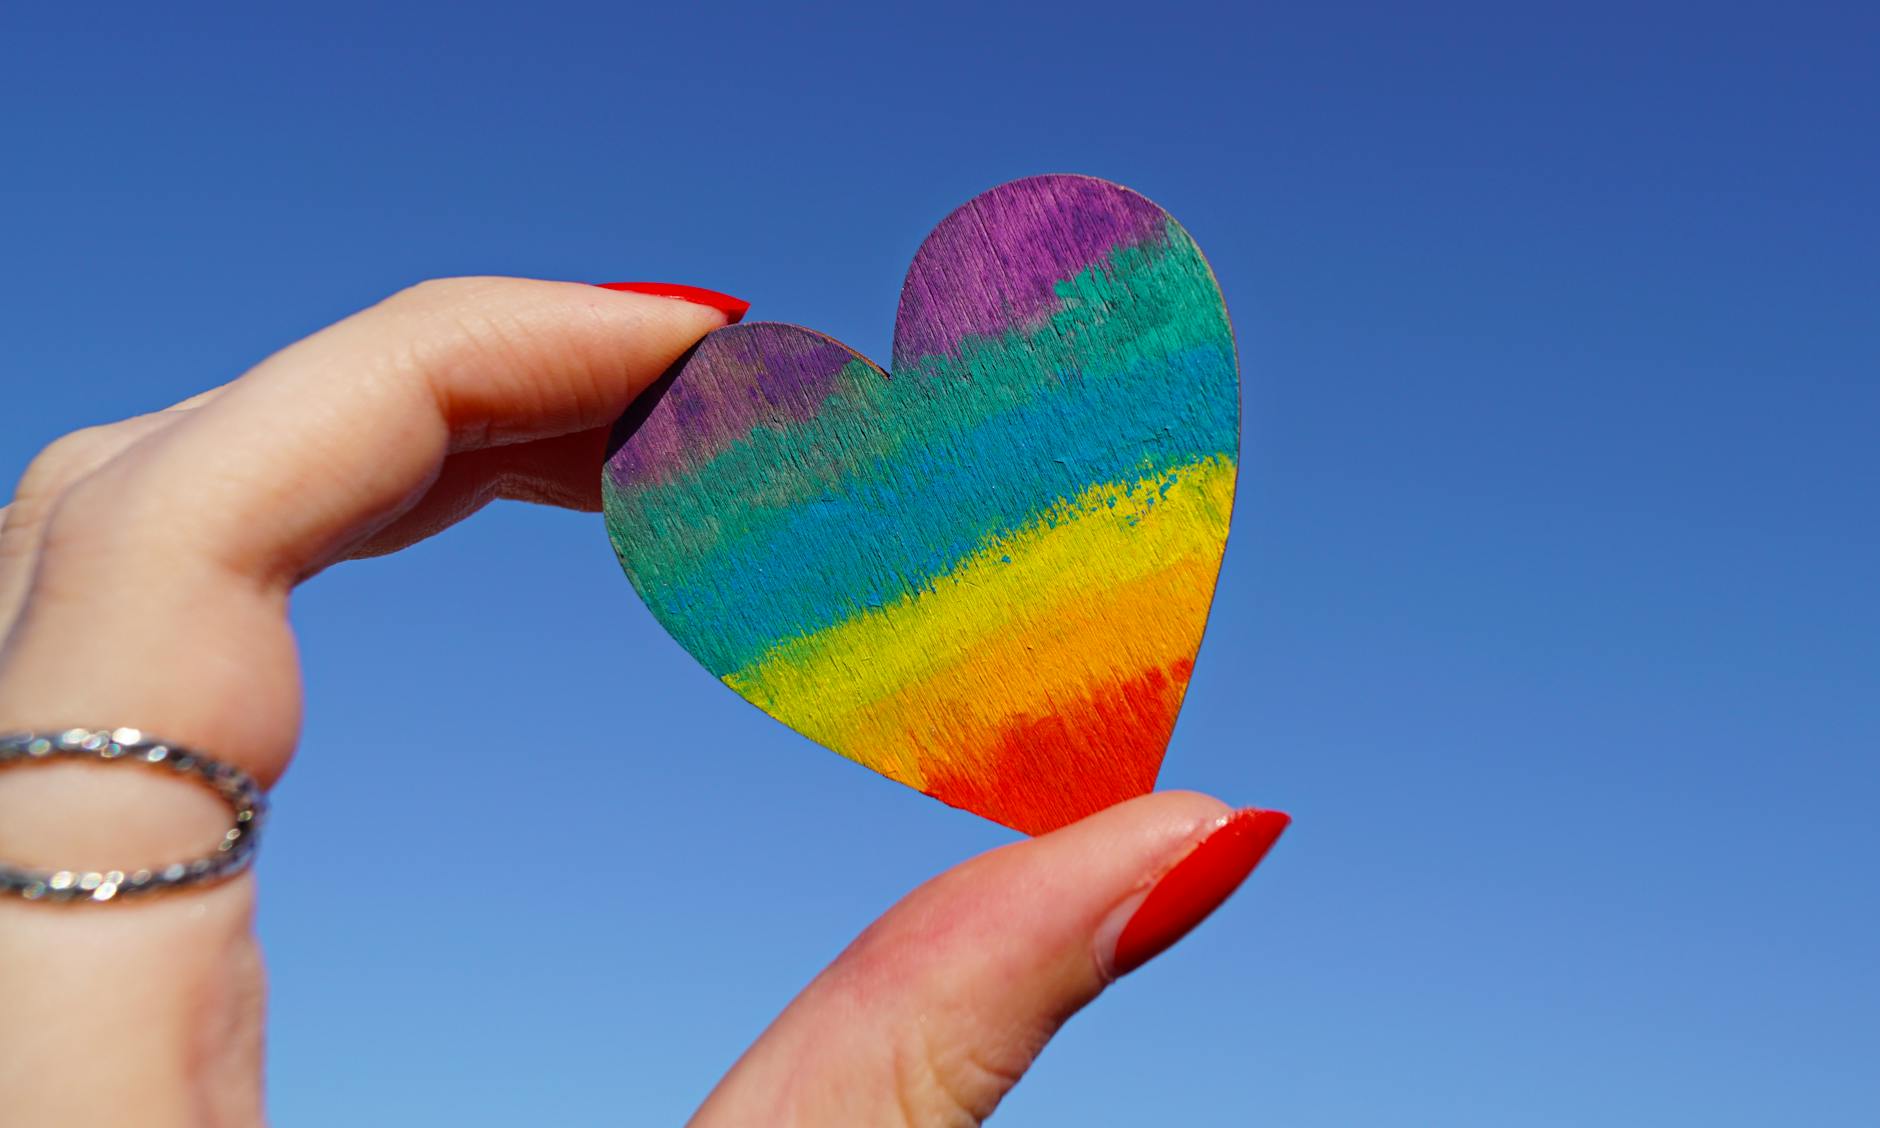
[(68, 464), (105, 532), (47, 478), (62, 462), (112, 499), (73, 522), (61, 467)]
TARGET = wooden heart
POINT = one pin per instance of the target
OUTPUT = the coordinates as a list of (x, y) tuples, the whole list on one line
[(985, 575)]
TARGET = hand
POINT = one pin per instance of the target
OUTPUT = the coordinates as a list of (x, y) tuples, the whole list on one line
[(145, 569)]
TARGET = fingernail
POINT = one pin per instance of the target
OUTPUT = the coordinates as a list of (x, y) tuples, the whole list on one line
[(733, 308), (1194, 887)]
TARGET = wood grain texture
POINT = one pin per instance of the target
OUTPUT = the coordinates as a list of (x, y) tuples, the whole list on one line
[(987, 574)]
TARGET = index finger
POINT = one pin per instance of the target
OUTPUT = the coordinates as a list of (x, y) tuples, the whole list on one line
[(339, 432), (182, 549)]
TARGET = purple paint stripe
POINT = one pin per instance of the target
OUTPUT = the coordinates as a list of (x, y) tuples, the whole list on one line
[(767, 376), (993, 265)]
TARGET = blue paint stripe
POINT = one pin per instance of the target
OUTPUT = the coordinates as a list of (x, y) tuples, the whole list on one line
[(920, 513)]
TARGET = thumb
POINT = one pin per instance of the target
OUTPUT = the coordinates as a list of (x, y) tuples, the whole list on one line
[(935, 1012)]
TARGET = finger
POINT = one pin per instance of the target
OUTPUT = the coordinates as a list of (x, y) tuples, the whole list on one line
[(934, 1013), (51, 473), (187, 544), (46, 478), (354, 423)]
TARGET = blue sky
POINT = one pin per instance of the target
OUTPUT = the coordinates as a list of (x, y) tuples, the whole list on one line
[(1549, 611)]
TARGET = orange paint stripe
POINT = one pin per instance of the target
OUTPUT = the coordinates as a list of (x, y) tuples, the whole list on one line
[(1053, 656), (1113, 736)]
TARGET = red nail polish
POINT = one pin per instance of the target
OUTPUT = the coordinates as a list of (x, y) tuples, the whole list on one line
[(1196, 886), (733, 308)]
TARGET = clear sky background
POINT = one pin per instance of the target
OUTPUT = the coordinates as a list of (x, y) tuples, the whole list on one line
[(1549, 613)]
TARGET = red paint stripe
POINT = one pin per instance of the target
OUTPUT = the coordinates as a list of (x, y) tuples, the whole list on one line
[(1110, 741)]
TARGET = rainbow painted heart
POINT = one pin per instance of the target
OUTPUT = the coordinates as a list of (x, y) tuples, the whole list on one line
[(987, 574)]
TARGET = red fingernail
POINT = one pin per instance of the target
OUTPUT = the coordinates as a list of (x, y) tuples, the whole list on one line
[(733, 308), (1196, 886)]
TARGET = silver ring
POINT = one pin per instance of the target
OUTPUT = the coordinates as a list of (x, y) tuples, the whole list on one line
[(130, 746)]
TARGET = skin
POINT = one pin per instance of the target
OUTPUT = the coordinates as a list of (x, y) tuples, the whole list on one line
[(195, 523)]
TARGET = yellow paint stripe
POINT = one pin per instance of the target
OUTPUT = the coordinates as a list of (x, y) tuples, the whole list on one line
[(953, 718), (1105, 586)]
